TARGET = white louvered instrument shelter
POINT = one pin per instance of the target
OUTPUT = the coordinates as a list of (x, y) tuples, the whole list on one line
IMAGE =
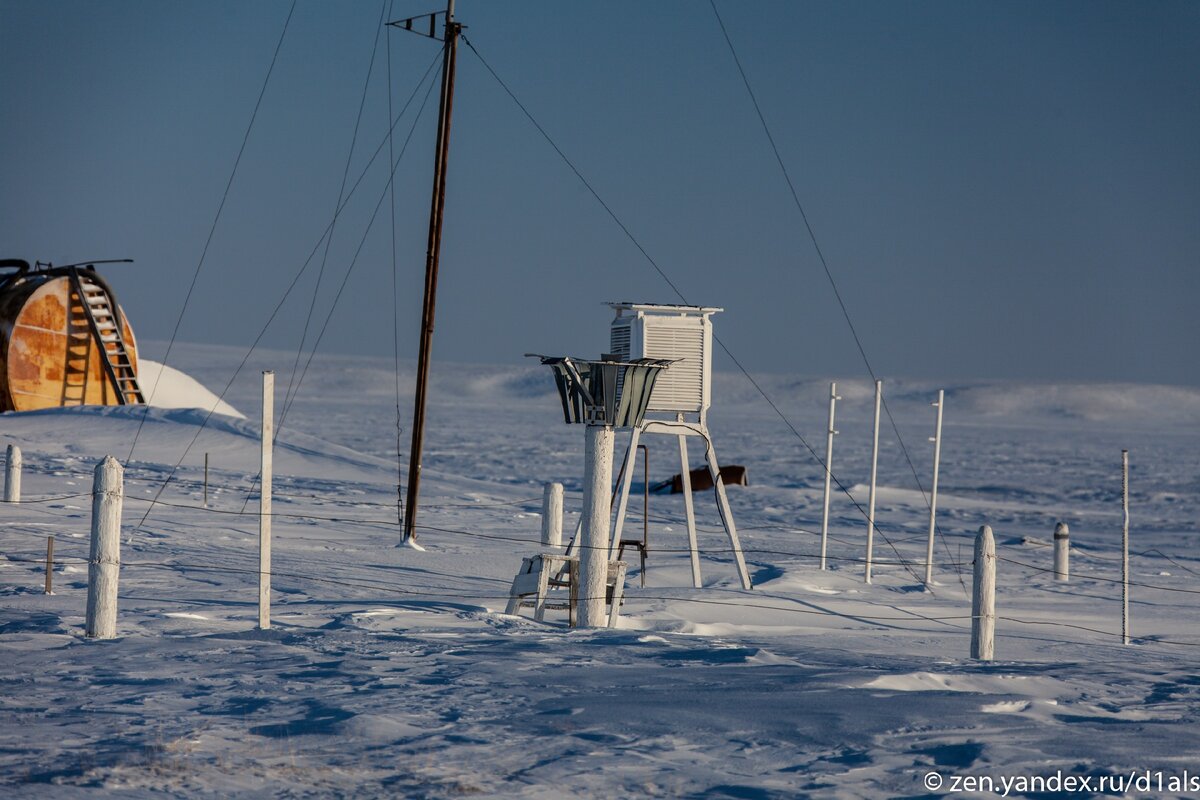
[(683, 333)]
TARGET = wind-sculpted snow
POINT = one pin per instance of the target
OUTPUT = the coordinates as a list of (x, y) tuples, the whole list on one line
[(390, 672)]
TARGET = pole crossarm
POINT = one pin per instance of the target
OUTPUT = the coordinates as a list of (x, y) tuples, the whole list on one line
[(411, 24)]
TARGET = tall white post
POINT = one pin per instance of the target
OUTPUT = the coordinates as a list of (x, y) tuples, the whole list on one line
[(689, 511), (552, 515), (1125, 547), (104, 563), (1062, 552), (12, 475), (874, 473), (983, 600), (264, 502), (597, 506), (937, 460), (829, 434)]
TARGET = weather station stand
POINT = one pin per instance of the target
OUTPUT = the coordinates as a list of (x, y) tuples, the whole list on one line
[(678, 405)]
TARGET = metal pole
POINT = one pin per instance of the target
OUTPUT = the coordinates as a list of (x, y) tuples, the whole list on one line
[(432, 257), (874, 474), (206, 480), (829, 434), (264, 503), (645, 508), (1125, 547), (937, 459)]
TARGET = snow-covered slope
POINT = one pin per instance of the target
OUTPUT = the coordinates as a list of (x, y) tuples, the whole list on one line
[(391, 672)]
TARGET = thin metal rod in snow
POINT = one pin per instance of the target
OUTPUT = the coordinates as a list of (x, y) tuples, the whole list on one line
[(597, 507), (264, 503), (104, 563), (874, 474), (829, 434), (937, 460), (206, 480), (983, 599), (1062, 552), (552, 515), (1125, 547), (12, 475)]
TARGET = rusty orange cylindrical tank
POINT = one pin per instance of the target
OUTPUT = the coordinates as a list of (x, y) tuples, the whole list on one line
[(50, 354)]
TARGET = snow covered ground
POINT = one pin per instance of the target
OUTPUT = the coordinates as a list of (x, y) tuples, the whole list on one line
[(392, 672)]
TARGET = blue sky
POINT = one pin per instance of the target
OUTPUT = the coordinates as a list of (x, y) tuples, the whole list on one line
[(1006, 190)]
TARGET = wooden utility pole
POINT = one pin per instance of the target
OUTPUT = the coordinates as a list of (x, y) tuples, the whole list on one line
[(432, 254)]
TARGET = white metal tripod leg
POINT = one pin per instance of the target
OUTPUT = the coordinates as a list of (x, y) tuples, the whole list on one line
[(686, 478), (710, 455), (627, 471)]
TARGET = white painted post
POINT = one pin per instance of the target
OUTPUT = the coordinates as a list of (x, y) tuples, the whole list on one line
[(689, 511), (597, 506), (264, 503), (983, 600), (12, 475), (937, 460), (104, 564), (552, 515), (1125, 547), (829, 434), (874, 473), (1062, 552)]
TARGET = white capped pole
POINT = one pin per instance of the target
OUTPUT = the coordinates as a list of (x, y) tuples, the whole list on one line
[(12, 475), (937, 460), (104, 563), (1062, 552), (264, 502), (829, 434), (552, 515), (874, 475), (1125, 547), (597, 507), (983, 598)]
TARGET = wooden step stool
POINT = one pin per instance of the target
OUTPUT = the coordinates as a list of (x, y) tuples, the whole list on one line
[(547, 571)]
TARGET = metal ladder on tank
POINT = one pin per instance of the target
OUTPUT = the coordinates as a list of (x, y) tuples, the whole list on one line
[(104, 320)]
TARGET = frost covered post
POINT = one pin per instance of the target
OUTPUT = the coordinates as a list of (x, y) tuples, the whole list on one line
[(937, 459), (597, 506), (12, 475), (983, 600), (829, 434), (264, 503), (1062, 552), (552, 515), (1125, 547), (874, 473), (104, 564)]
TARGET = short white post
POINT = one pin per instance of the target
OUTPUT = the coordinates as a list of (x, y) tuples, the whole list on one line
[(1125, 547), (597, 506), (983, 600), (1062, 552), (874, 474), (552, 515), (12, 475), (937, 460), (264, 502), (104, 564), (829, 434)]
